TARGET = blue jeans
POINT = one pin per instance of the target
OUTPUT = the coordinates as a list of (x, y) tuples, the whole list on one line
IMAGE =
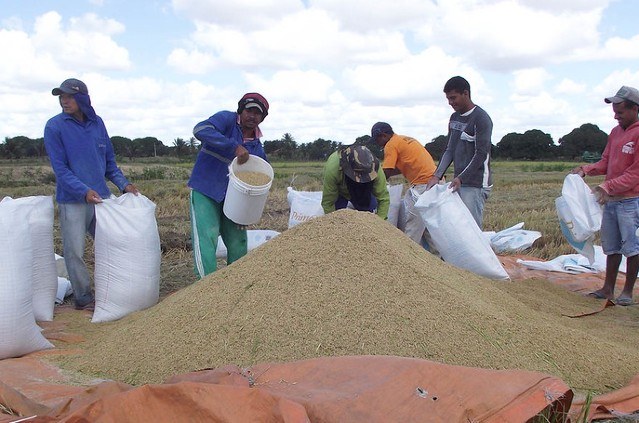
[(618, 227), (76, 220), (474, 199)]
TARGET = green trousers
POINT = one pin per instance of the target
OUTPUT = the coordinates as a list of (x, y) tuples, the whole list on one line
[(207, 223)]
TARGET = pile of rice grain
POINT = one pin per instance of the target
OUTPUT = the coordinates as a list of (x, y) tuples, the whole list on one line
[(349, 283), (256, 179)]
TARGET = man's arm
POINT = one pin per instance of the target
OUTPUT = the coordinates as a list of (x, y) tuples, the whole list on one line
[(388, 172), (483, 134), (380, 191), (212, 133), (444, 162), (329, 187)]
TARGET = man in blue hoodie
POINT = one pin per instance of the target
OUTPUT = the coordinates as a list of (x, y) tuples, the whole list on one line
[(81, 155), (224, 136)]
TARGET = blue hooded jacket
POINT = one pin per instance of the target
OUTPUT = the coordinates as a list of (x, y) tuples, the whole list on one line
[(220, 135), (81, 154)]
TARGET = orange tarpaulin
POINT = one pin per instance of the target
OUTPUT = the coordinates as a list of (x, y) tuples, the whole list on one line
[(330, 389)]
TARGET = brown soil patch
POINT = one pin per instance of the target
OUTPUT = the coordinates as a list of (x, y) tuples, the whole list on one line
[(351, 284)]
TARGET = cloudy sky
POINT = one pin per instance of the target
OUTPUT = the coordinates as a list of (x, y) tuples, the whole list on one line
[(329, 68)]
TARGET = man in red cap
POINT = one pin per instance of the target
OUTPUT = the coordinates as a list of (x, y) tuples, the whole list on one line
[(224, 136)]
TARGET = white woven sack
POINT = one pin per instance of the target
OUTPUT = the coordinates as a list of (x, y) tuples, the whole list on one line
[(396, 203), (39, 209), (305, 205), (456, 234), (513, 239), (583, 214), (254, 238), (127, 257), (19, 333), (585, 247)]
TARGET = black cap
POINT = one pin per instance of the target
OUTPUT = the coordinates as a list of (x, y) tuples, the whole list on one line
[(71, 86)]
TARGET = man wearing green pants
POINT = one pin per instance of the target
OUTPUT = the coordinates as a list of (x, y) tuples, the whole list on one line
[(224, 136)]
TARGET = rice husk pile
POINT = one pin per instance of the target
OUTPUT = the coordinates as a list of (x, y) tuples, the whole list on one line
[(349, 283)]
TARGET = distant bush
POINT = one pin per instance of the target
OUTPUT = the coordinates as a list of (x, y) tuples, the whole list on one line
[(158, 172), (547, 167)]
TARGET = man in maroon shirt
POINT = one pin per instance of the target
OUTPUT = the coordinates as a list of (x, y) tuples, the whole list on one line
[(619, 193)]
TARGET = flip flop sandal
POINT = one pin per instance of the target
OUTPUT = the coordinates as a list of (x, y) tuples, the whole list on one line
[(624, 301), (597, 295)]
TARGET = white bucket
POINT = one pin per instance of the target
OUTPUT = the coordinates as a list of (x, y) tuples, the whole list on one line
[(244, 203)]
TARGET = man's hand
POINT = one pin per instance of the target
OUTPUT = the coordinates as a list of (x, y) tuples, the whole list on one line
[(456, 184), (242, 154), (93, 197), (602, 196), (578, 171), (131, 188), (434, 180)]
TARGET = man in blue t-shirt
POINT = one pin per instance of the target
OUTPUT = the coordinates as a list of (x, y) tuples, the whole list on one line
[(81, 155)]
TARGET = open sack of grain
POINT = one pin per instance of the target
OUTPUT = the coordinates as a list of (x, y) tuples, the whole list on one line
[(127, 257), (28, 278)]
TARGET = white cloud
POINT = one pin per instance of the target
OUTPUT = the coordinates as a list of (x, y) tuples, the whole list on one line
[(529, 81), (240, 14), (507, 35), (85, 45), (330, 68), (308, 38), (568, 86), (52, 52), (566, 5), (191, 62)]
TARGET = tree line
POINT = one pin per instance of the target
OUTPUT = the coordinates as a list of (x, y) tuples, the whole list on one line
[(584, 143)]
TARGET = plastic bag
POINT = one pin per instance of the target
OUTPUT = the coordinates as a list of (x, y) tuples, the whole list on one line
[(255, 238), (579, 215), (582, 213), (19, 333), (127, 257), (396, 203), (455, 233), (304, 205), (513, 239), (38, 210)]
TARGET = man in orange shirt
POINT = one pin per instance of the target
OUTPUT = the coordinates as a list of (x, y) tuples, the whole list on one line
[(407, 156)]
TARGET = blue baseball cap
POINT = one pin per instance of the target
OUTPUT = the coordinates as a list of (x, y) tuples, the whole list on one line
[(380, 128)]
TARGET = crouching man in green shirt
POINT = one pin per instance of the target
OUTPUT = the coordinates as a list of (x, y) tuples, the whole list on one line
[(352, 174)]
